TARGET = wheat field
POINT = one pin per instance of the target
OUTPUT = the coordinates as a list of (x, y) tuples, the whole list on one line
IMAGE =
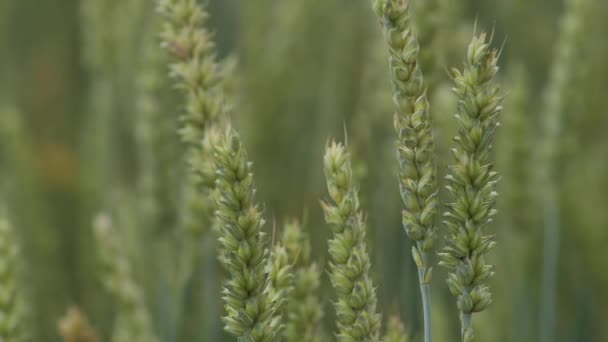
[(301, 170)]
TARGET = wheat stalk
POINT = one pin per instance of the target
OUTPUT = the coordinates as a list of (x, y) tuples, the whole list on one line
[(557, 93)]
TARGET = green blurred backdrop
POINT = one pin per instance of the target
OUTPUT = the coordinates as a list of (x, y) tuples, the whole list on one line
[(307, 70)]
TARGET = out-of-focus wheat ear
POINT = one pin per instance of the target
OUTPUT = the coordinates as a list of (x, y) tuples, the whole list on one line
[(157, 146), (303, 308), (132, 322), (75, 327), (395, 331), (280, 274), (11, 303), (203, 82)]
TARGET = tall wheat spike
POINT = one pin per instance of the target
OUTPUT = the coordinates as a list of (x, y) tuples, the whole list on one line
[(472, 183), (415, 142)]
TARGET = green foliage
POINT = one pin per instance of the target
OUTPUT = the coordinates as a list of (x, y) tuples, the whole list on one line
[(357, 319), (92, 123), (251, 306)]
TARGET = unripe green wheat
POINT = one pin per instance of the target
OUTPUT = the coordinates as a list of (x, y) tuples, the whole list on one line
[(472, 182), (133, 323), (415, 143), (198, 74), (155, 140), (395, 331), (280, 275), (412, 123), (251, 308), (428, 21), (195, 68), (303, 308), (357, 319), (11, 315), (99, 57)]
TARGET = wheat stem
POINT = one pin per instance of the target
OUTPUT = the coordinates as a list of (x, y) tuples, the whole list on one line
[(557, 95), (425, 292), (466, 330)]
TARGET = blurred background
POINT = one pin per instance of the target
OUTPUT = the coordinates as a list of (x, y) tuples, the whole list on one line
[(88, 119)]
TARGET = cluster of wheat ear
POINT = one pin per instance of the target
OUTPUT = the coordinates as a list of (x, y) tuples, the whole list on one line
[(264, 284), (471, 180), (191, 251), (271, 293)]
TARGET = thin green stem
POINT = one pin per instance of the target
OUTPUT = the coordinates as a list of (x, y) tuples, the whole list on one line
[(550, 267), (425, 291), (467, 325)]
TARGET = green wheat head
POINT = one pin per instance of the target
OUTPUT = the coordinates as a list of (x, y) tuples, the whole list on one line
[(303, 309), (280, 276), (357, 319), (197, 73), (415, 142), (133, 323), (251, 304), (472, 182), (429, 21), (194, 69), (154, 131)]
